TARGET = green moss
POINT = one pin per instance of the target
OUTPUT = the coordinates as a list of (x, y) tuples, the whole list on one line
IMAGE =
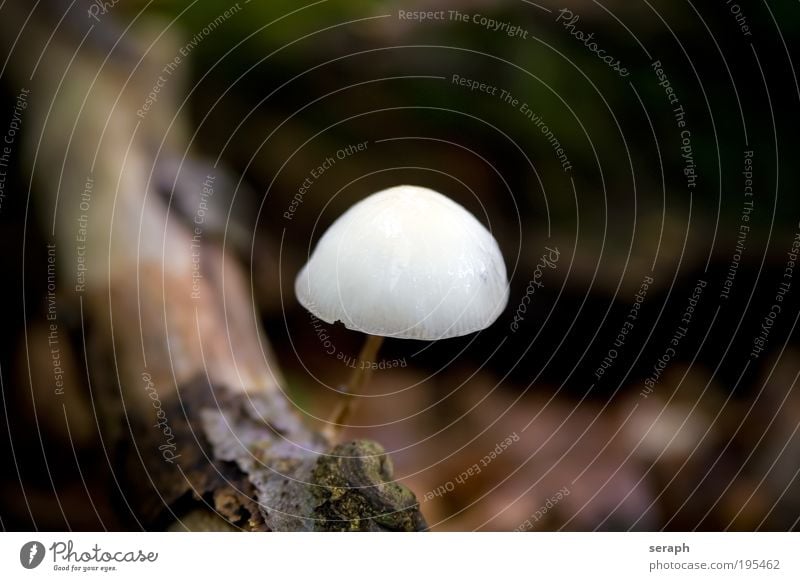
[(355, 492)]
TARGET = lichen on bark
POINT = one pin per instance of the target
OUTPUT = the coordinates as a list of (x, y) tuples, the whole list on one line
[(355, 491)]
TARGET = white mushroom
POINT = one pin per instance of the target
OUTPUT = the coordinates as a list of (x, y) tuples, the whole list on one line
[(408, 263)]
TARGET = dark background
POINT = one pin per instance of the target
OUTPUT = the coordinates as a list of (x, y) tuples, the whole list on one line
[(714, 447)]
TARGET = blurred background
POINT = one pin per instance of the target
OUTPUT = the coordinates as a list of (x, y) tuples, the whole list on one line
[(646, 214)]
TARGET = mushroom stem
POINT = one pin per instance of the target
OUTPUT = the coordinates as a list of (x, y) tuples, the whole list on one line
[(355, 385), (362, 372)]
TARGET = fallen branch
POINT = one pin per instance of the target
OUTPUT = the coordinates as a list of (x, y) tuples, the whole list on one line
[(188, 390)]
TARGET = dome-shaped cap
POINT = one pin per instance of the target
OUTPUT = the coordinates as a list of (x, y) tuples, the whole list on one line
[(406, 262)]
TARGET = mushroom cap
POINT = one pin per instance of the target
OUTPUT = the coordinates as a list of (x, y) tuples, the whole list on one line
[(409, 263)]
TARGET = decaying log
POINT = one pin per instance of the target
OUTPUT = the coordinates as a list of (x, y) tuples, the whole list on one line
[(188, 388)]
